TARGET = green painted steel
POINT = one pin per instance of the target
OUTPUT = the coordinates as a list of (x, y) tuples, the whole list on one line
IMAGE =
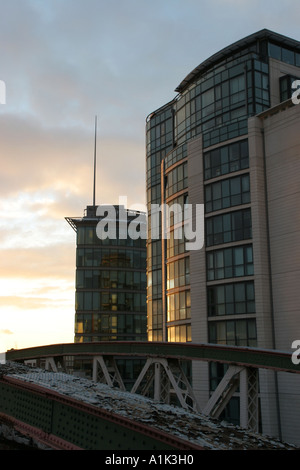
[(249, 357), (22, 405), (82, 425)]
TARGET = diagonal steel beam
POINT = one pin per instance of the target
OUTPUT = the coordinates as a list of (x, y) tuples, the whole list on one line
[(110, 375), (223, 392)]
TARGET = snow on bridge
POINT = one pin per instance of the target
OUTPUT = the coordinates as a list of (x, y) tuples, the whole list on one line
[(195, 428)]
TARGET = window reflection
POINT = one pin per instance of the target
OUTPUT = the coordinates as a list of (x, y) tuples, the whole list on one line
[(110, 324), (110, 295), (235, 332), (179, 306), (180, 333), (230, 262), (231, 299), (227, 193), (227, 228)]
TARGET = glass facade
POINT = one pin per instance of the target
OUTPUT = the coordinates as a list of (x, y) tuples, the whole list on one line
[(216, 104), (220, 101), (110, 298), (160, 141), (213, 104)]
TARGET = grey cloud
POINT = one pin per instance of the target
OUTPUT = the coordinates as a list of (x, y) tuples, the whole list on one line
[(65, 61), (60, 161)]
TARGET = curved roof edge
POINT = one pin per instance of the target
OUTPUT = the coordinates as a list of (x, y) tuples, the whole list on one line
[(153, 113), (262, 34)]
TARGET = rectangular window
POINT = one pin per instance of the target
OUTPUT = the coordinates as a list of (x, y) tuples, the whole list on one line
[(179, 306), (227, 193), (230, 262), (79, 279), (237, 84), (88, 301), (176, 180), (175, 245), (228, 228), (275, 51), (285, 84), (231, 299), (236, 333), (208, 97), (288, 56), (180, 334), (226, 159), (90, 235), (178, 273), (80, 235)]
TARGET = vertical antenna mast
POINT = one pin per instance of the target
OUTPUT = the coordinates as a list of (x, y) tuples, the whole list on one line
[(95, 148)]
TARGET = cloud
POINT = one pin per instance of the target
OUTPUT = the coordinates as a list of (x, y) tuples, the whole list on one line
[(33, 156), (6, 332), (29, 303), (56, 263), (62, 63), (60, 160)]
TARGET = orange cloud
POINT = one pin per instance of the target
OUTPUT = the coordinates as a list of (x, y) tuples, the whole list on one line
[(6, 332)]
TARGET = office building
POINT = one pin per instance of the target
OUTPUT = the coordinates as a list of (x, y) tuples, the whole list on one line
[(110, 292), (229, 141)]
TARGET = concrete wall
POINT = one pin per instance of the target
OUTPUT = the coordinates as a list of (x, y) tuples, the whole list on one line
[(275, 168), (198, 273), (282, 149)]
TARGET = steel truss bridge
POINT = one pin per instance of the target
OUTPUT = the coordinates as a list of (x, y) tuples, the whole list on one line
[(162, 375)]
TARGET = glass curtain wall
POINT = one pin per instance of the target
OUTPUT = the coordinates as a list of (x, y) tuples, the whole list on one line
[(215, 102), (110, 287)]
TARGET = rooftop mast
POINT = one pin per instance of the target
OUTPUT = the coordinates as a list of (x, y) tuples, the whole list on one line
[(95, 149)]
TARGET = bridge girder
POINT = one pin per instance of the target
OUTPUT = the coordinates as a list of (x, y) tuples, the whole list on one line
[(163, 373)]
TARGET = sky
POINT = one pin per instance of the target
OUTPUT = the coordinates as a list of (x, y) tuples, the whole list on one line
[(62, 62)]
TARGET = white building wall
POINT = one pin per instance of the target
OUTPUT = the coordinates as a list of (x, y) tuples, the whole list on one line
[(282, 153)]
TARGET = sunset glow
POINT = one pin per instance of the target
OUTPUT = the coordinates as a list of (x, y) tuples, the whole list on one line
[(63, 62)]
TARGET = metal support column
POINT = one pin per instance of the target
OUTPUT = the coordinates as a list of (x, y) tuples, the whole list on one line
[(249, 415), (166, 378), (108, 374)]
